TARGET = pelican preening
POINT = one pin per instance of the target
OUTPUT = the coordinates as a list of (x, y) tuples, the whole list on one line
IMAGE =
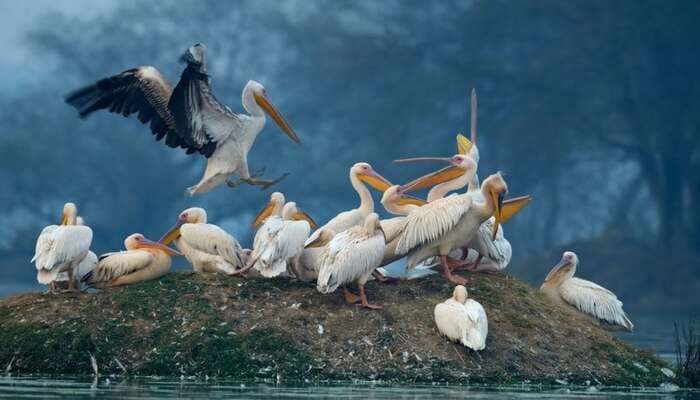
[(143, 260), (351, 256), (62, 249), (207, 247), (584, 297), (189, 116), (462, 320)]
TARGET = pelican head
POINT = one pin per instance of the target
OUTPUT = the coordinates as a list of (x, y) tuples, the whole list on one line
[(396, 202), (193, 215), (195, 56), (255, 101), (565, 269), (273, 207), (137, 241), (70, 214), (460, 294), (391, 195), (495, 190), (365, 173), (460, 165), (291, 212), (324, 236)]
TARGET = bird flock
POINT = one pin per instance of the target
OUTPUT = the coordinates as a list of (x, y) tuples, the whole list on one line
[(446, 231)]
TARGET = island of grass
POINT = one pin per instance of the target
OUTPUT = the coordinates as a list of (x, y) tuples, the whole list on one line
[(217, 326)]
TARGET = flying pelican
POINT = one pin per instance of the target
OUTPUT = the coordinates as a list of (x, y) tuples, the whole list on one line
[(61, 248), (143, 260), (462, 320), (190, 116), (351, 256), (207, 247), (279, 244), (583, 297)]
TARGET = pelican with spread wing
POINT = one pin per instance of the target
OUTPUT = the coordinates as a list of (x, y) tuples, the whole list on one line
[(583, 297), (189, 116)]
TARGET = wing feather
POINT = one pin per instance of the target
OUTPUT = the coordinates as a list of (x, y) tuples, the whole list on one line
[(347, 257), (211, 239), (594, 300), (113, 265), (60, 245)]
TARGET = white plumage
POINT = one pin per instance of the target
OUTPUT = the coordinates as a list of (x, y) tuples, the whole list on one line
[(462, 320), (584, 297), (279, 242)]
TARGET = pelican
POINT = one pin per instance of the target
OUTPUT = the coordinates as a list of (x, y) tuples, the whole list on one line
[(278, 246), (62, 248), (143, 260), (351, 256), (462, 320), (207, 247), (86, 265), (583, 297), (189, 116)]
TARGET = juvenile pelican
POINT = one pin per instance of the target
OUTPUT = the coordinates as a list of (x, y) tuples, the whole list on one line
[(190, 116), (462, 320), (143, 260), (584, 297), (207, 247), (61, 248), (279, 244), (351, 256)]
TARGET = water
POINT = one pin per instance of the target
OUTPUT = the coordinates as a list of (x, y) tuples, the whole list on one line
[(153, 388)]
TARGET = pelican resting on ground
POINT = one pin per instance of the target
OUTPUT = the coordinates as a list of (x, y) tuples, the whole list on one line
[(279, 243), (351, 256), (86, 265), (583, 297), (143, 260), (207, 247), (462, 320), (189, 116), (61, 249)]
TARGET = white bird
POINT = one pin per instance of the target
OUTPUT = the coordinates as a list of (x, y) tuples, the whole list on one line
[(61, 248), (583, 297), (280, 241), (206, 246), (189, 116), (360, 173), (143, 260), (351, 256), (86, 265), (462, 320)]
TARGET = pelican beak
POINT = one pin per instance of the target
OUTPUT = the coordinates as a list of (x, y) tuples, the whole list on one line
[(498, 201), (270, 109), (375, 180), (434, 178), (410, 200), (64, 219), (555, 270), (262, 215), (302, 216), (159, 246), (464, 145), (173, 233), (319, 242), (513, 206)]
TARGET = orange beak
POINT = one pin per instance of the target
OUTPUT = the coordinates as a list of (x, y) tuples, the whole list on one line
[(270, 109)]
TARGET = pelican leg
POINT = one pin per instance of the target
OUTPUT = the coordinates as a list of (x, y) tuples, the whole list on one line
[(350, 297), (246, 268), (473, 267), (363, 299), (383, 278), (447, 272)]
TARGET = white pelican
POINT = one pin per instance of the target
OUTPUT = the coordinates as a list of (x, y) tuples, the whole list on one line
[(207, 247), (279, 243), (190, 116), (86, 265), (143, 260), (462, 320), (61, 248), (360, 174), (351, 256), (583, 297)]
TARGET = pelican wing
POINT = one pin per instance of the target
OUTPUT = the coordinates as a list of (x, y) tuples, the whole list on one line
[(142, 91), (498, 251), (211, 239), (393, 227), (595, 300), (113, 265), (451, 319), (203, 119), (58, 245), (432, 221), (477, 325), (347, 257)]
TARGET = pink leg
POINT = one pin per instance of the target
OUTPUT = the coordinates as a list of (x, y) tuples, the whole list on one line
[(447, 273), (363, 299)]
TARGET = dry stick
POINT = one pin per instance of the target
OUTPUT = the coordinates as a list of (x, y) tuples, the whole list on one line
[(9, 365), (120, 365)]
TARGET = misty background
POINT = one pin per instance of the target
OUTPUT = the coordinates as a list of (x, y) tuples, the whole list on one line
[(589, 106)]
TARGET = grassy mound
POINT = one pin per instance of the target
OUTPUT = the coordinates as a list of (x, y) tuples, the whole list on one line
[(214, 325)]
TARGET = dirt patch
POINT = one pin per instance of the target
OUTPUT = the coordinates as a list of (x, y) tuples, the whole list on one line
[(213, 325)]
